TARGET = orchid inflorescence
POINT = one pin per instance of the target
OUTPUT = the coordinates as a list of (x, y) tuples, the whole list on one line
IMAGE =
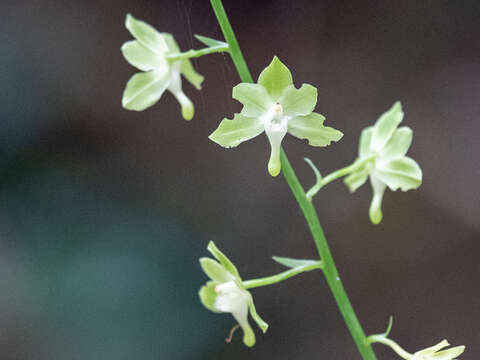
[(274, 106)]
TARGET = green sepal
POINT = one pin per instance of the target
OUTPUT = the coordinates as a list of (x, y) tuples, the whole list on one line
[(298, 102), (294, 263), (365, 141), (215, 271), (208, 296), (254, 98), (403, 173), (231, 133), (275, 78), (212, 43), (223, 259), (141, 57), (399, 144), (253, 312), (144, 89), (385, 126), (146, 34), (311, 127)]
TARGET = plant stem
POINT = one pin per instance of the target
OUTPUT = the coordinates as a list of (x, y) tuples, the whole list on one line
[(197, 53), (306, 206), (392, 344), (269, 280), (344, 171)]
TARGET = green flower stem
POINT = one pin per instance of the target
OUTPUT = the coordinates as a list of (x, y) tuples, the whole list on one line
[(269, 280), (392, 344), (197, 53), (344, 171), (308, 210)]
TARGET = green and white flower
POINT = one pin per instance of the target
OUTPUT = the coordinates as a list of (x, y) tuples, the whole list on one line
[(273, 105), (225, 293), (149, 53), (436, 352), (381, 157)]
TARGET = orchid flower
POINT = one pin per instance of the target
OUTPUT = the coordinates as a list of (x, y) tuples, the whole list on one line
[(381, 155), (225, 293), (273, 105), (150, 54)]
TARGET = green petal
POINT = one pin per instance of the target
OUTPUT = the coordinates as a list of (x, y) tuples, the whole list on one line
[(144, 89), (433, 349), (356, 179), (275, 78), (253, 312), (403, 173), (215, 271), (146, 34), (375, 211), (364, 146), (172, 46), (311, 127), (298, 102), (141, 57), (208, 296), (222, 258), (386, 125), (231, 133), (398, 144), (254, 98)]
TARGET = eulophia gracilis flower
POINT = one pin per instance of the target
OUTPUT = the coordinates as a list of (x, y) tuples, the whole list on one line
[(225, 293), (149, 53)]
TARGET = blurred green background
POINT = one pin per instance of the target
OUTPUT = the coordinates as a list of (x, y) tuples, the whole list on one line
[(104, 212)]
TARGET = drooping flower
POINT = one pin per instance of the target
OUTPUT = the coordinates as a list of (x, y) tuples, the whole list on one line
[(273, 105), (436, 352), (382, 150), (149, 53), (225, 293)]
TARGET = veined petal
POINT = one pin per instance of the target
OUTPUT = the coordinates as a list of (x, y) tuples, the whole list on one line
[(175, 87), (298, 102), (375, 211), (231, 133), (144, 89), (253, 312), (215, 271), (146, 34), (275, 138), (398, 144), (275, 78), (141, 57), (311, 127), (403, 173), (364, 145), (433, 349), (386, 125), (254, 98), (223, 259), (208, 296)]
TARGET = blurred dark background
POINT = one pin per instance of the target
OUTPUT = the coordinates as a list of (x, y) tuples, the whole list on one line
[(104, 212)]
